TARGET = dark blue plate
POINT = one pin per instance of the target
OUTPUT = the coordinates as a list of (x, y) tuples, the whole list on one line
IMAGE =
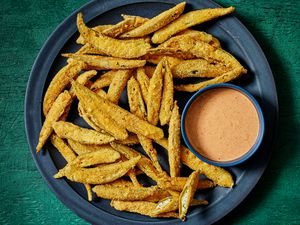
[(234, 37)]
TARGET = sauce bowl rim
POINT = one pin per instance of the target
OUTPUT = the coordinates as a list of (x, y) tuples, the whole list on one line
[(259, 138)]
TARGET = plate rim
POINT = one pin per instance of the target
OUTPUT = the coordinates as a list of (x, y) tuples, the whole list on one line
[(80, 211)]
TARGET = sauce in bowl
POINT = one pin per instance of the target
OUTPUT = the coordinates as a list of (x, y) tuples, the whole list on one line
[(222, 124)]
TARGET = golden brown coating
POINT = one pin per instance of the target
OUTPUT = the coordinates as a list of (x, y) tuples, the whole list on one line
[(189, 48), (129, 23), (215, 43), (155, 59), (191, 34), (88, 118), (99, 29), (101, 92), (171, 52), (69, 155), (104, 80), (144, 82), (89, 192), (99, 62), (137, 107), (124, 118), (63, 148), (120, 183), (217, 174), (174, 142), (177, 183), (166, 205), (132, 139), (110, 46), (156, 22), (86, 76), (188, 20), (225, 77), (83, 79), (233, 68), (171, 203), (144, 164), (181, 42), (158, 195), (141, 207), (155, 94), (138, 18), (204, 50), (85, 136), (135, 98), (124, 193), (187, 194), (167, 101), (198, 68), (97, 175), (98, 116), (59, 83), (132, 175), (117, 85), (81, 149), (86, 49), (150, 151), (56, 111), (106, 155)]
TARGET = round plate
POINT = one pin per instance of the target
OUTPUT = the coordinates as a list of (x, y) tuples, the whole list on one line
[(234, 38)]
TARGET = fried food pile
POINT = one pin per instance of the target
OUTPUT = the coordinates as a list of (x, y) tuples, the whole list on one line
[(143, 56)]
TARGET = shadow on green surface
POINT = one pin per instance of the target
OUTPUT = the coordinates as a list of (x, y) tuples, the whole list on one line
[(278, 161)]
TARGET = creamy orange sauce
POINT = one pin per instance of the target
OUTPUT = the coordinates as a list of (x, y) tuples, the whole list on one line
[(222, 124)]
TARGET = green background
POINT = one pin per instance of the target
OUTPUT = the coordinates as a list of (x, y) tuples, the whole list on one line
[(25, 197)]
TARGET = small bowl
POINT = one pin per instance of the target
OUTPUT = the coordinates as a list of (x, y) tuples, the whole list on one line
[(250, 152)]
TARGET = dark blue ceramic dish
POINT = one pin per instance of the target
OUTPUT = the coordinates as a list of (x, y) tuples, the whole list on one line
[(251, 151), (234, 38)]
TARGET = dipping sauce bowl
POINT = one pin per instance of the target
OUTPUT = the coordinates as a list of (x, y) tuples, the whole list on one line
[(222, 124)]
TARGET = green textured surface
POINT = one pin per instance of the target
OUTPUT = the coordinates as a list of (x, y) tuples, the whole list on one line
[(24, 196)]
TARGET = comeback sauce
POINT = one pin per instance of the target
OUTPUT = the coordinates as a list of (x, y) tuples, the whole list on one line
[(222, 124)]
